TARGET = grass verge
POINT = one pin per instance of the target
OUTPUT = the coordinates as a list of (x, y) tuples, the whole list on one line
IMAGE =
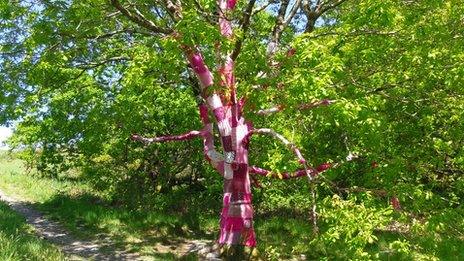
[(18, 242), (160, 235)]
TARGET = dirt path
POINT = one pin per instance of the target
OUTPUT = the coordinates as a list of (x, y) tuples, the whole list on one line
[(55, 233), (84, 249)]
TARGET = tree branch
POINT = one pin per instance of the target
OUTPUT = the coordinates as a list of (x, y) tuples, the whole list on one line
[(278, 136), (92, 65), (312, 14), (140, 19), (301, 172), (245, 24), (356, 33), (278, 28), (263, 7), (225, 26), (210, 18), (292, 12), (275, 109), (110, 34), (272, 174), (318, 5), (324, 8), (174, 9), (324, 102), (304, 106), (209, 149), (186, 136), (201, 70)]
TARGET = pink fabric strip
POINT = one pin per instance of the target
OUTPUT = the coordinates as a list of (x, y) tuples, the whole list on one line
[(203, 113), (224, 128), (226, 28), (240, 132), (231, 4), (224, 25), (234, 117), (214, 101), (206, 79), (227, 73), (227, 143), (198, 64), (237, 213), (199, 67), (245, 236), (219, 113)]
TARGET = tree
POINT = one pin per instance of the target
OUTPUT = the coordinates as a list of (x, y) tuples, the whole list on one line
[(234, 131), (173, 20)]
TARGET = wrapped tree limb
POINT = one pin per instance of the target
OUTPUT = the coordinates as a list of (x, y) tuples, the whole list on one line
[(186, 136)]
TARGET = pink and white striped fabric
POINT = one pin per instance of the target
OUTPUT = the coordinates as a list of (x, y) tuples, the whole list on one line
[(201, 70), (237, 213), (224, 24)]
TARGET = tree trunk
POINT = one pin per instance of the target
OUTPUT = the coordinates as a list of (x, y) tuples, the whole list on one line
[(237, 213)]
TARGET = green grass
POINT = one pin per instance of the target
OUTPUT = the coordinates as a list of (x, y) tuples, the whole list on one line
[(86, 215), (18, 242), (282, 232), (15, 181)]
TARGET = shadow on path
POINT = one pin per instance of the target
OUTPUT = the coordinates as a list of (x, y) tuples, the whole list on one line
[(54, 232), (102, 246)]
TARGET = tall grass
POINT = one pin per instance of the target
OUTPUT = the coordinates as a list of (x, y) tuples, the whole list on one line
[(18, 242)]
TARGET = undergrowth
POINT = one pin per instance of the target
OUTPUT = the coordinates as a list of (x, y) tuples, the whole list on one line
[(358, 226)]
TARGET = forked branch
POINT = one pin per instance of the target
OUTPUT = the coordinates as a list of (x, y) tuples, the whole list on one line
[(138, 18)]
